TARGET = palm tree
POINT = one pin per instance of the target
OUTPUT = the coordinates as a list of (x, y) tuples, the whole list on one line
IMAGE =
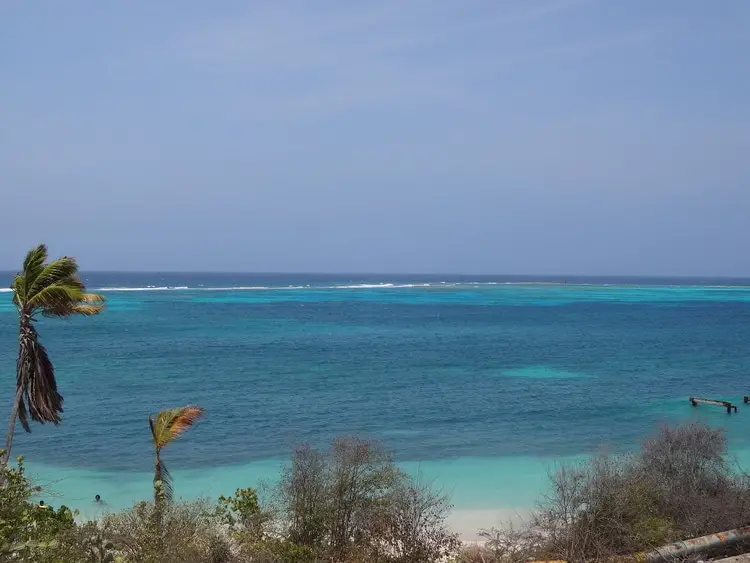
[(53, 290), (165, 427)]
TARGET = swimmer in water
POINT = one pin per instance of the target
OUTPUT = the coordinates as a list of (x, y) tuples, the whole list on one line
[(97, 498)]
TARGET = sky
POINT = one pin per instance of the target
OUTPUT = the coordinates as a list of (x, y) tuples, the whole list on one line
[(603, 137)]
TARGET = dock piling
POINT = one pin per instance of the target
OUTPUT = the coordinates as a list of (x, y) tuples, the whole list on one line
[(726, 404)]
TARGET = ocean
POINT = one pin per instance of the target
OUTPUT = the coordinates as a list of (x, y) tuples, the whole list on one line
[(477, 384)]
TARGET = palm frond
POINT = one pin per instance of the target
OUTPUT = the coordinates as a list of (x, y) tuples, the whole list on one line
[(163, 490), (88, 310), (152, 425), (185, 419), (63, 269), (58, 298), (19, 290), (36, 378), (23, 417), (171, 423), (33, 265), (87, 304)]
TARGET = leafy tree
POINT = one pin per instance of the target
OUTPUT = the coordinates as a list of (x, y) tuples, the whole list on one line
[(28, 532), (241, 509)]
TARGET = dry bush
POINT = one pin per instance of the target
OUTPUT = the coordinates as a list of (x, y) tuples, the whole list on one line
[(695, 485), (511, 544), (677, 486), (411, 528), (187, 532), (332, 499), (474, 554), (85, 543), (361, 476), (277, 550), (304, 497), (507, 544), (352, 504), (595, 510)]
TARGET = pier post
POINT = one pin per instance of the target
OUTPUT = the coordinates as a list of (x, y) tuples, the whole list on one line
[(726, 404)]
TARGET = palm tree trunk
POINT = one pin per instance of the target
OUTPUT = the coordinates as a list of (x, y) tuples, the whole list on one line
[(158, 492), (157, 479), (11, 431), (24, 329)]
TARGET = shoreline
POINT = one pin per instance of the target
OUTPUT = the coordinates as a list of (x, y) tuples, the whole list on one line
[(467, 523), (486, 493)]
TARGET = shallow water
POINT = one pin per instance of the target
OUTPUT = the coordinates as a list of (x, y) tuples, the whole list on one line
[(477, 384)]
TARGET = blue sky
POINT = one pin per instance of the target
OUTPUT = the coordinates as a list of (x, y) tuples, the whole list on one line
[(519, 137)]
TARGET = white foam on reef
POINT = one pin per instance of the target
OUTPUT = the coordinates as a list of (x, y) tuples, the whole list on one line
[(384, 285), (5, 290), (148, 288), (435, 284), (239, 288), (361, 286), (255, 288), (268, 288)]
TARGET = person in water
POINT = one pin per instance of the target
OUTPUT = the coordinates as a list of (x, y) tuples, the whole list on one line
[(42, 505), (97, 499)]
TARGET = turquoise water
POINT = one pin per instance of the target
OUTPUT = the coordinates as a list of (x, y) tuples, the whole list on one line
[(478, 384)]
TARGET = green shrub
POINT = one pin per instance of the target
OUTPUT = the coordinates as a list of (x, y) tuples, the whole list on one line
[(28, 531), (241, 509)]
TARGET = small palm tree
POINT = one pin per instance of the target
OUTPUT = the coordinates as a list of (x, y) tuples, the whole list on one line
[(53, 290), (165, 427)]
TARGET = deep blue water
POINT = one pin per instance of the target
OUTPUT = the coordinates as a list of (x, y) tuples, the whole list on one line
[(473, 367)]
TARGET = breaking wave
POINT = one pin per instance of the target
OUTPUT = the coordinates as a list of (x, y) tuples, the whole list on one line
[(291, 287), (147, 288)]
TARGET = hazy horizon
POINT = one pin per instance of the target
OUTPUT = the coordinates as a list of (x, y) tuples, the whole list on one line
[(406, 275), (529, 136)]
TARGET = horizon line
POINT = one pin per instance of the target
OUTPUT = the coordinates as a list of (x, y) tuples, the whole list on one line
[(407, 274)]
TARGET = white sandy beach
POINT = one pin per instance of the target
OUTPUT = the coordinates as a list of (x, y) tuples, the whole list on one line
[(467, 523)]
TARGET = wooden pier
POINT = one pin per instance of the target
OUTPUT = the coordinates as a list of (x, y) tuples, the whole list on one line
[(726, 404)]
